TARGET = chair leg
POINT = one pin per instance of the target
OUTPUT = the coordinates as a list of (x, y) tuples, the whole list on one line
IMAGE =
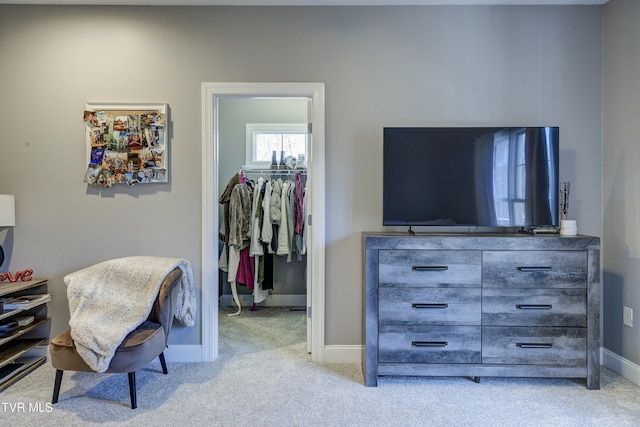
[(164, 364), (56, 386), (132, 389)]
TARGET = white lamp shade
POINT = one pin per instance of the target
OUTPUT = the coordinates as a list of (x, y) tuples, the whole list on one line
[(7, 210)]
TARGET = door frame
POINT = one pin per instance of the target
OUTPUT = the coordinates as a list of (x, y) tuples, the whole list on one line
[(211, 93)]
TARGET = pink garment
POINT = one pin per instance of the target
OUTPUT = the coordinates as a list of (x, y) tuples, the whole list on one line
[(298, 220), (246, 267)]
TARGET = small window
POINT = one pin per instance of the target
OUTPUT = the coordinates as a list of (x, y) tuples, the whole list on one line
[(265, 138)]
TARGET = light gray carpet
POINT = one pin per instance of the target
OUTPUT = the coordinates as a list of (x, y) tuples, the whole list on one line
[(264, 377)]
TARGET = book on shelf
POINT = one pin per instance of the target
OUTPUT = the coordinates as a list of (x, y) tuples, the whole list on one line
[(11, 369), (26, 302)]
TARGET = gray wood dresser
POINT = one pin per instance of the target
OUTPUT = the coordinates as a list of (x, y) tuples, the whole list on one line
[(507, 305)]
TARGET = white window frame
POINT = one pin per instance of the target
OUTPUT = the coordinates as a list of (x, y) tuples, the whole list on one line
[(252, 128)]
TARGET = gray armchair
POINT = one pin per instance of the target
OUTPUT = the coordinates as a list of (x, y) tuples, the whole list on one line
[(139, 348)]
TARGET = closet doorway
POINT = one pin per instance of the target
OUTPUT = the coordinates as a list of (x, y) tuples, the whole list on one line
[(212, 95)]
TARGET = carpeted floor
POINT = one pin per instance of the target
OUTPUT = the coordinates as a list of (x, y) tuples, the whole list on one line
[(264, 377)]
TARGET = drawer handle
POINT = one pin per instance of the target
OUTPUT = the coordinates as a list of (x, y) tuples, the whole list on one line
[(430, 267), (429, 343), (534, 345), (534, 306), (424, 305), (533, 268)]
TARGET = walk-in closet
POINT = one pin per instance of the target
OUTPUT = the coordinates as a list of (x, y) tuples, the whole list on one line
[(262, 174)]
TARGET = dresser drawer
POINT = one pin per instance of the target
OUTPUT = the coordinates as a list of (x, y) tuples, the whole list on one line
[(430, 306), (540, 307), (429, 344), (430, 268), (539, 269), (534, 346)]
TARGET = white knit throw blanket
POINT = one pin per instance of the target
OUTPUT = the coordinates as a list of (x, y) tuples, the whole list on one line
[(110, 299)]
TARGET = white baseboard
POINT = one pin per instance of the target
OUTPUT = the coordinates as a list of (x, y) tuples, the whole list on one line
[(621, 366), (271, 301), (343, 354)]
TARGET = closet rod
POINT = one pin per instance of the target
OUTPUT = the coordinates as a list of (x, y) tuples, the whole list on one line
[(274, 171)]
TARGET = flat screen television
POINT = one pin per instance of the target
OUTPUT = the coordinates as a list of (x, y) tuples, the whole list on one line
[(471, 176)]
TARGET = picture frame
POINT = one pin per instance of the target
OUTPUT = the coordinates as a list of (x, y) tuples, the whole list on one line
[(126, 143)]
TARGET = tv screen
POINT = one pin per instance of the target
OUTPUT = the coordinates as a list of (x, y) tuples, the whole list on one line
[(471, 176)]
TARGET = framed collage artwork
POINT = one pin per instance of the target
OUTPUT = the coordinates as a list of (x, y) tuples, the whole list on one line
[(126, 144)]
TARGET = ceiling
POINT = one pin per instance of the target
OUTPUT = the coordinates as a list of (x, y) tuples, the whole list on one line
[(304, 2)]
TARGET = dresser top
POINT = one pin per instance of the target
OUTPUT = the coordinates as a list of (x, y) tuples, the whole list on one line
[(478, 241)]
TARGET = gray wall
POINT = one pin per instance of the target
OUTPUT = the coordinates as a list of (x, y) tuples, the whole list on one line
[(621, 177), (388, 66)]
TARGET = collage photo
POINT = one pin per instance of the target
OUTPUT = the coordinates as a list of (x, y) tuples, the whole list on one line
[(126, 147)]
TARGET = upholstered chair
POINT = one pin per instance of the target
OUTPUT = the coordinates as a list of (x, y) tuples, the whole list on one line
[(139, 348)]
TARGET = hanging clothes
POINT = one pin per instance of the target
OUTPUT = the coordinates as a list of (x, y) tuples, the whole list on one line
[(239, 263), (257, 250), (224, 200), (267, 229), (256, 219), (262, 218), (246, 269), (299, 214), (275, 213), (298, 220), (283, 230)]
